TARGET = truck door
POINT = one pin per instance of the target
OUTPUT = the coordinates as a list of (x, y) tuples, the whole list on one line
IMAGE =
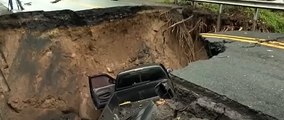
[(101, 88)]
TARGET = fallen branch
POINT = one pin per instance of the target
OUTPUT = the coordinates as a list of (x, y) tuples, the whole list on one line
[(173, 25), (197, 24)]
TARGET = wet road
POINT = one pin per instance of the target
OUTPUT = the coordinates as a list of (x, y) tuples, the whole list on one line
[(252, 75)]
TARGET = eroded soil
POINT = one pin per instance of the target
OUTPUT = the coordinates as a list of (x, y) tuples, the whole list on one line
[(46, 57)]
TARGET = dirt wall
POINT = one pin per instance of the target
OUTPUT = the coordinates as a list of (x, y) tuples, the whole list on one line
[(47, 56)]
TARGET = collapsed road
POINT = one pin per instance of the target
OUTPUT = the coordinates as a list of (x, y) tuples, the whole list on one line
[(248, 73), (135, 93), (46, 58), (129, 96)]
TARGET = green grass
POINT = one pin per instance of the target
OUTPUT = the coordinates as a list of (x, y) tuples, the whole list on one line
[(167, 1), (274, 19), (211, 7), (227, 9)]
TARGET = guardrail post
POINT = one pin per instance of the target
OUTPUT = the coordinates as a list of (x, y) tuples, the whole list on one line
[(219, 17), (255, 17), (193, 4)]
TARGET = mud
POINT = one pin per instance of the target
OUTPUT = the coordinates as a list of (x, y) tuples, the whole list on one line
[(48, 56)]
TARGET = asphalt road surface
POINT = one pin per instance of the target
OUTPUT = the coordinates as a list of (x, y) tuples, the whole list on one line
[(268, 36), (252, 75), (3, 9), (76, 5)]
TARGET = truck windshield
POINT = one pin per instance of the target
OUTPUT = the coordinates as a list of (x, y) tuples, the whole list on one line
[(147, 74)]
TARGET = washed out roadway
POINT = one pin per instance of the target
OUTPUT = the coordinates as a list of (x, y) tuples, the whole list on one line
[(247, 73)]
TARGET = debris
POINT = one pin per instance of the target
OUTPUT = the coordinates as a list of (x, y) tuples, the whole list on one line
[(169, 70), (55, 1), (109, 70), (124, 103), (28, 3), (178, 118), (160, 102)]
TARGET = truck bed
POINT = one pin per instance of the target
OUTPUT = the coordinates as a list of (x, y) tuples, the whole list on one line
[(125, 112)]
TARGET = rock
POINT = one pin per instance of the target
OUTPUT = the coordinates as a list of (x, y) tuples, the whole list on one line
[(109, 70), (160, 102), (15, 105), (73, 55)]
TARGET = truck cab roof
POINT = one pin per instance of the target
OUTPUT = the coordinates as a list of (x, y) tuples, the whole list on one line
[(139, 75)]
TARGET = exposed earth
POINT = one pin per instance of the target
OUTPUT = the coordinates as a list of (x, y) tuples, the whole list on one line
[(46, 57), (248, 73)]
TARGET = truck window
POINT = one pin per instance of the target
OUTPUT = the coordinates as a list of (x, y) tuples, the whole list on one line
[(143, 75), (128, 79), (153, 74)]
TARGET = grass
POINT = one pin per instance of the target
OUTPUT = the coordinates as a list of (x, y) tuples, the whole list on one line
[(273, 19), (211, 7), (166, 1)]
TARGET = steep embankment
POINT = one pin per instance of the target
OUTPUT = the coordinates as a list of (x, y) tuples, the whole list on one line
[(46, 57)]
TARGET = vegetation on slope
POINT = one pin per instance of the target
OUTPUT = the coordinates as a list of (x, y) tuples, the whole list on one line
[(275, 19), (272, 18)]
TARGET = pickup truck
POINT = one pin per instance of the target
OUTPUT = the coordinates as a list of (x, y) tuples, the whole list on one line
[(136, 87)]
